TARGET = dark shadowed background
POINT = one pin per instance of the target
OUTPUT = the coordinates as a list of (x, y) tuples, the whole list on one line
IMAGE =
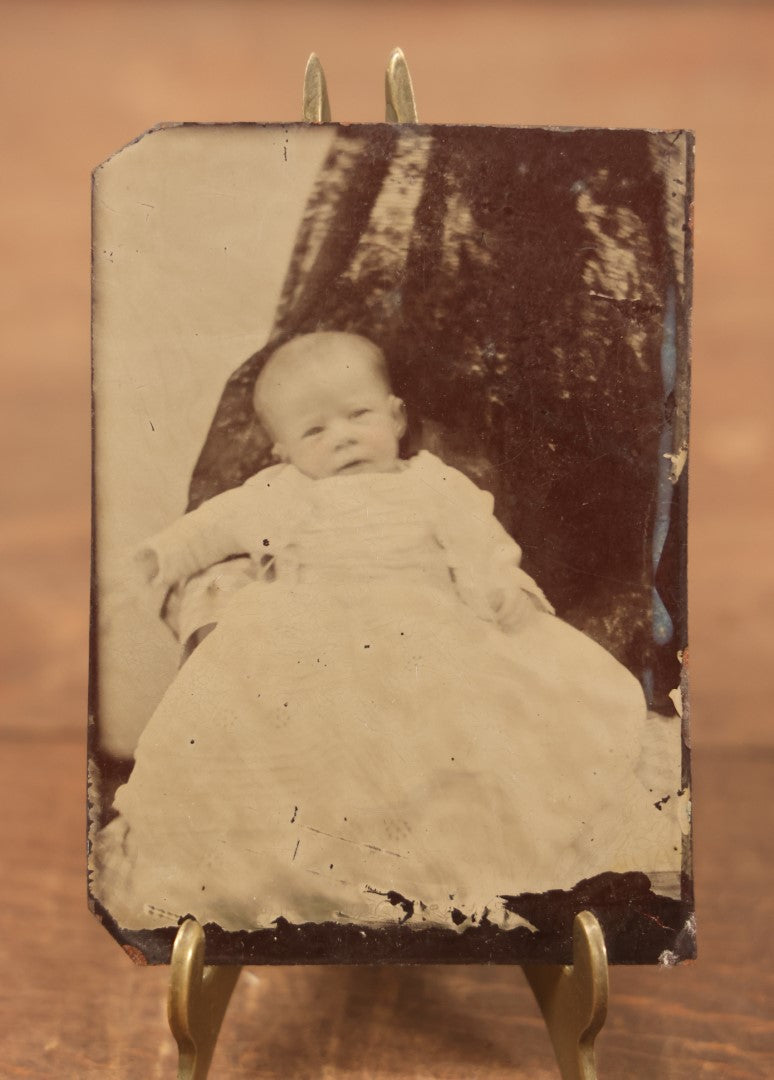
[(80, 80)]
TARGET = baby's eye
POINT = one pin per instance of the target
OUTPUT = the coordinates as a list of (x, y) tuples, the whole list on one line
[(311, 432), (359, 412)]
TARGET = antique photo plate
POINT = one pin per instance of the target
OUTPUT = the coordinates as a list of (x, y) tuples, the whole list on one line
[(389, 588)]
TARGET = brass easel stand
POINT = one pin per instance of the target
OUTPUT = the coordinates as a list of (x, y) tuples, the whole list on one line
[(197, 1001), (573, 999)]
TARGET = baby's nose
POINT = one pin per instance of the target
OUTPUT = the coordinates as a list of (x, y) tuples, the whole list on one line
[(344, 433)]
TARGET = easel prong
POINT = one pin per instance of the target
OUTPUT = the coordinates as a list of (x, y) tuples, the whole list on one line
[(399, 91), (197, 1001), (316, 106), (573, 1000)]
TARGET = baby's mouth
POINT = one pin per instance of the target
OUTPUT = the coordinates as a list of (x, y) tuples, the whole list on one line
[(352, 465)]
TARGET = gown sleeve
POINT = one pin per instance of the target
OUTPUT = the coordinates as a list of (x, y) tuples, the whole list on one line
[(484, 560), (233, 523)]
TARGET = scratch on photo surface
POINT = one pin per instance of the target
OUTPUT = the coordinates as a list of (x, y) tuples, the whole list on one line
[(656, 920), (594, 574), (356, 843)]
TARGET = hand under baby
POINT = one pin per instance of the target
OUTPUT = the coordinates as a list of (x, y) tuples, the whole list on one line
[(513, 607)]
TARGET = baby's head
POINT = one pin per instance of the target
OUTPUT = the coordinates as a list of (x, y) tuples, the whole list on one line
[(325, 400)]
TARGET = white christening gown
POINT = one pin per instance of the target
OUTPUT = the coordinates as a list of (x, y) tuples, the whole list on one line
[(398, 714)]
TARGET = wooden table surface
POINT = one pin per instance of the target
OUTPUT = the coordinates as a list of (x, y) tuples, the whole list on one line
[(80, 79)]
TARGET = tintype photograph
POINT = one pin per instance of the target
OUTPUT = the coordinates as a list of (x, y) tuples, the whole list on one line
[(389, 613)]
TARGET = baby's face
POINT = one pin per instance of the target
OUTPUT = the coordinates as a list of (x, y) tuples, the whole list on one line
[(335, 418)]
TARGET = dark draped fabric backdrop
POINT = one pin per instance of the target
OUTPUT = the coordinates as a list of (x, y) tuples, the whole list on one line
[(525, 286)]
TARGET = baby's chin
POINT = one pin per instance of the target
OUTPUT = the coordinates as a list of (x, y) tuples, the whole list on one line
[(353, 468)]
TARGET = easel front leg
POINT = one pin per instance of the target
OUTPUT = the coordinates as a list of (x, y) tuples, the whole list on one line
[(573, 1000), (197, 1002)]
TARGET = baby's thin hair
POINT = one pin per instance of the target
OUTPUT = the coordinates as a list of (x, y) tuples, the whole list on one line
[(294, 355)]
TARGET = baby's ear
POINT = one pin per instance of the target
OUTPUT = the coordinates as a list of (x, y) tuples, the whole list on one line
[(398, 408), (279, 453)]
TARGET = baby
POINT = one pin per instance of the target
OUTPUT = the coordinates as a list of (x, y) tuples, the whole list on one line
[(327, 403), (394, 711)]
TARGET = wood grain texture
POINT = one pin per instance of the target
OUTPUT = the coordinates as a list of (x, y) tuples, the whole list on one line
[(78, 80)]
